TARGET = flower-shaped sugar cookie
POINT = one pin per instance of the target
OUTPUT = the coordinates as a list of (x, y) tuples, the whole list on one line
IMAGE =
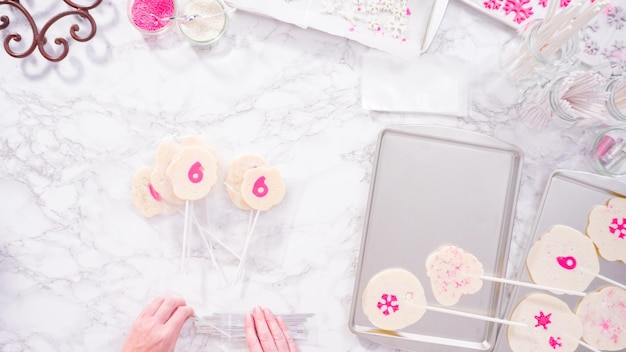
[(234, 178), (262, 187), (607, 229), (164, 155), (252, 184), (551, 326), (192, 172), (147, 200), (453, 273), (603, 315)]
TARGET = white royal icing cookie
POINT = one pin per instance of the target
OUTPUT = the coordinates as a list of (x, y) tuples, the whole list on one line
[(563, 258), (453, 273), (147, 200), (262, 187), (192, 172), (607, 229), (164, 155), (393, 299), (603, 315), (234, 178), (551, 325)]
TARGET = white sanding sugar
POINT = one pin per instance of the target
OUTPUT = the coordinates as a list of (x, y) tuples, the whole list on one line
[(203, 29)]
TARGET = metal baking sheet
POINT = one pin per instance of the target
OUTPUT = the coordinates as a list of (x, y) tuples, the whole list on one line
[(433, 186), (567, 200)]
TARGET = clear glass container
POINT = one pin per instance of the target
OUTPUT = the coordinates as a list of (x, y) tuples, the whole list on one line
[(608, 154), (529, 54), (209, 24), (150, 16), (616, 100), (579, 97)]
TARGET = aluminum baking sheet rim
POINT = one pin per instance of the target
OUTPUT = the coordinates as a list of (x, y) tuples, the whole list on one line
[(586, 179), (397, 339)]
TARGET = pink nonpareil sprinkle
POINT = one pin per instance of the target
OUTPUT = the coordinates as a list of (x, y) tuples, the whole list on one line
[(148, 14)]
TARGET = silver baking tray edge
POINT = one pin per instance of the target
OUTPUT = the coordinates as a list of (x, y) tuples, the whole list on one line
[(567, 200), (433, 186)]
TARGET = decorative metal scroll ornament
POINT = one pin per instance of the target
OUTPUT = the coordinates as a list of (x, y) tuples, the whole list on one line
[(39, 35)]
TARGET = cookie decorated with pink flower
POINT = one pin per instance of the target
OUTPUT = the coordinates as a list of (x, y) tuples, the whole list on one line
[(607, 229), (603, 315), (551, 325), (393, 299), (453, 273)]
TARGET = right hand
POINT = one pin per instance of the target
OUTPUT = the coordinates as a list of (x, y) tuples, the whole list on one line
[(267, 333)]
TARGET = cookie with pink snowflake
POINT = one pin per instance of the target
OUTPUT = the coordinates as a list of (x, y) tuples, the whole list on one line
[(393, 299), (550, 325), (603, 315), (607, 229), (563, 258), (453, 273)]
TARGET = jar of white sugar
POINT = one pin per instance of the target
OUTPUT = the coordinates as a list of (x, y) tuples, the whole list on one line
[(206, 20)]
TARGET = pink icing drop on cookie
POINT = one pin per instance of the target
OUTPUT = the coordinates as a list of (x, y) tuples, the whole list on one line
[(543, 320), (154, 193), (388, 304), (554, 343), (618, 228), (568, 263), (260, 188), (195, 173)]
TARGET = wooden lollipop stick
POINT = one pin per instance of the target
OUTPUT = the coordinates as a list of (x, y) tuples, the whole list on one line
[(529, 285)]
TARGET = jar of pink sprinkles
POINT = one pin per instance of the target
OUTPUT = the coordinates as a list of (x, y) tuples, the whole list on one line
[(151, 16)]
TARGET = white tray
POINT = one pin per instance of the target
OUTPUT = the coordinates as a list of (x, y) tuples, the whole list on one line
[(423, 23)]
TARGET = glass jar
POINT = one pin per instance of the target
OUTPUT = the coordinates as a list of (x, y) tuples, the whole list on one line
[(208, 21), (531, 53), (579, 97), (607, 153), (616, 100), (151, 16)]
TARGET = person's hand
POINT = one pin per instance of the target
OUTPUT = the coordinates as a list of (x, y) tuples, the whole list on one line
[(157, 328), (267, 333)]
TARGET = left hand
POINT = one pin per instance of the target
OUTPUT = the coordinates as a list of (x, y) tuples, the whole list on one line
[(157, 328)]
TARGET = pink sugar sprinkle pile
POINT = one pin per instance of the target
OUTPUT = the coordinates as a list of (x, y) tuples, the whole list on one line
[(147, 14)]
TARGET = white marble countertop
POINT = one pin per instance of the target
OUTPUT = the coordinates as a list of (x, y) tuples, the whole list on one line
[(78, 262)]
